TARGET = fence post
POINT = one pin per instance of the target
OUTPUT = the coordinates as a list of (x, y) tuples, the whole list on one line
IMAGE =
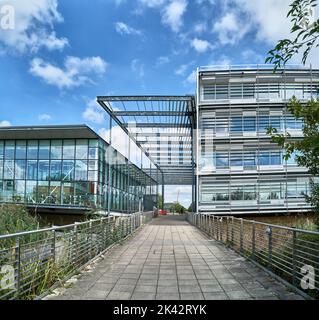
[(91, 239), (241, 235), (75, 232), (253, 244), (221, 228), (227, 234), (294, 254), (53, 245), (269, 231), (18, 261), (232, 230)]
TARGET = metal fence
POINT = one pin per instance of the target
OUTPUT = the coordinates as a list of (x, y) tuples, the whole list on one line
[(32, 262), (290, 253)]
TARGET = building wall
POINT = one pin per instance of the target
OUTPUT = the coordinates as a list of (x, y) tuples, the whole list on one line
[(239, 169), (81, 173)]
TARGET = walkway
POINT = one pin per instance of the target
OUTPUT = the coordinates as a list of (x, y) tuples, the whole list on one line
[(170, 259)]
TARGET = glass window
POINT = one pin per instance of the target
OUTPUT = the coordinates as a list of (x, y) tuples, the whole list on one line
[(263, 123), (20, 169), (68, 149), (1, 170), (43, 191), (93, 153), (81, 169), (237, 193), (249, 124), (236, 160), (264, 159), (19, 190), (54, 193), (31, 191), (44, 167), (93, 176), (275, 122), (249, 159), (236, 124), (44, 149), (222, 160), (21, 149), (81, 149), (9, 150), (275, 158), (291, 189), (56, 149), (67, 193), (8, 190), (1, 149), (32, 169), (94, 143), (68, 170), (8, 172), (250, 192), (55, 170), (32, 151)]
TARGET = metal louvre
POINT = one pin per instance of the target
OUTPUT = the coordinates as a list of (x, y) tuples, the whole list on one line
[(162, 127)]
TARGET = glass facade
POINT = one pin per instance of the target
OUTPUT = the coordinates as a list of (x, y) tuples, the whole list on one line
[(85, 173)]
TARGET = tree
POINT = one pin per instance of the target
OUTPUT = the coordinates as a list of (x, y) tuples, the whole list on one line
[(159, 202), (306, 149), (177, 207), (305, 30)]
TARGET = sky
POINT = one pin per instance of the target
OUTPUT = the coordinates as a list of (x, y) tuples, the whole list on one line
[(57, 56)]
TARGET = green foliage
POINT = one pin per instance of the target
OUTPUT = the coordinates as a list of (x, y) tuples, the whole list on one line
[(159, 202), (305, 31), (16, 218), (306, 148), (177, 207)]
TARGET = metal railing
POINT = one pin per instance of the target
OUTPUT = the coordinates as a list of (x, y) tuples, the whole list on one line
[(289, 253), (32, 262)]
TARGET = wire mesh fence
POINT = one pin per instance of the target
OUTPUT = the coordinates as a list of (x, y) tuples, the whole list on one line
[(290, 253), (32, 262)]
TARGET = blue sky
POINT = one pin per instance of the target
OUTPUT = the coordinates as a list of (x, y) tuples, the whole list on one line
[(59, 55)]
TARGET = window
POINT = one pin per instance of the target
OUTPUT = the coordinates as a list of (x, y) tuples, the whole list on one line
[(32, 172), (264, 159), (275, 122), (249, 159), (263, 123), (236, 124), (55, 170), (237, 193), (8, 170), (44, 167), (32, 150), (44, 149), (56, 149), (68, 149), (20, 166), (68, 170), (222, 160), (21, 149), (250, 192), (1, 149), (275, 158), (81, 149), (9, 150), (81, 169), (249, 124), (54, 196), (236, 160), (31, 191)]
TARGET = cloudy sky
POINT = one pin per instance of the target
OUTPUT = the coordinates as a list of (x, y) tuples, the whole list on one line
[(62, 54)]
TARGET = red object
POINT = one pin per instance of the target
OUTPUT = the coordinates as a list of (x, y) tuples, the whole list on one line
[(162, 212)]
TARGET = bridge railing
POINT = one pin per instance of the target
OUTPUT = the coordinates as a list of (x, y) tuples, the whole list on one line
[(32, 262), (289, 253)]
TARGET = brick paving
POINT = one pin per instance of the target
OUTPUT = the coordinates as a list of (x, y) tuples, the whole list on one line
[(170, 260)]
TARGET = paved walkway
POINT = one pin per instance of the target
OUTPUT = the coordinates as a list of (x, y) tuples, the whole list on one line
[(170, 259)]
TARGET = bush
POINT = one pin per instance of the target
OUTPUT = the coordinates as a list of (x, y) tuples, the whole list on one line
[(16, 218)]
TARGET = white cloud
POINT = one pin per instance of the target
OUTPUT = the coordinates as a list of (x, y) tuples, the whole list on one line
[(192, 77), (162, 60), (200, 27), (152, 3), (181, 70), (138, 68), (5, 123), (201, 45), (173, 14), (230, 28), (44, 117), (93, 112), (75, 72), (123, 28), (34, 21)]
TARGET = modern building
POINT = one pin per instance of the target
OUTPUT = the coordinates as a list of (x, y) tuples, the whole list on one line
[(239, 169), (59, 168), (215, 142)]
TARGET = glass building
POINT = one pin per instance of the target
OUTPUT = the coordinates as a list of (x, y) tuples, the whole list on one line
[(70, 167), (240, 170)]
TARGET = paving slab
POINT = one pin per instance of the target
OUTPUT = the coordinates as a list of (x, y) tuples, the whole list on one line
[(169, 259)]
